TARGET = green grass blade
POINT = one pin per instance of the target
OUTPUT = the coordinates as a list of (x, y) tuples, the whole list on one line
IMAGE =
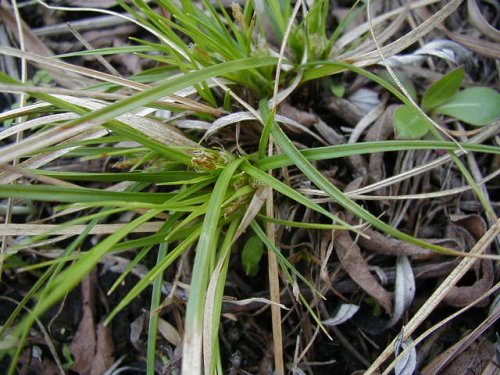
[(76, 195), (330, 67), (268, 118), (167, 227), (297, 224), (205, 251), (108, 51), (153, 317), (175, 153), (193, 235), (285, 263), (277, 185), (323, 183), (145, 176), (49, 273), (170, 86), (70, 278), (212, 315), (338, 151)]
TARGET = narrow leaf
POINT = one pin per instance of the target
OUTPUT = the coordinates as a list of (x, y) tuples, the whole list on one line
[(63, 194), (153, 318), (205, 250), (338, 151), (290, 192), (443, 90)]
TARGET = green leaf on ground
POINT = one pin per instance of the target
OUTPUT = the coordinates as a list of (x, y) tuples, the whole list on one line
[(442, 91), (408, 124), (476, 106), (251, 255)]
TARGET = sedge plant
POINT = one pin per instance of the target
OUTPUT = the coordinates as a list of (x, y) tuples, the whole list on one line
[(214, 67)]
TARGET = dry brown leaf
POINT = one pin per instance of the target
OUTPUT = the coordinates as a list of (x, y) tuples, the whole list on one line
[(345, 109), (484, 47), (35, 45), (302, 117), (31, 41), (460, 296), (92, 347), (476, 18), (83, 346), (380, 131), (460, 236), (456, 350), (329, 134), (474, 224), (386, 245), (137, 327), (169, 332), (103, 358), (356, 266), (471, 361)]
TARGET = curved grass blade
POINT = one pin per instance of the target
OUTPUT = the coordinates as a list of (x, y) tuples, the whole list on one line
[(48, 274), (193, 235), (128, 105), (75, 195), (153, 317), (338, 151), (165, 229), (331, 67), (144, 176), (205, 253), (71, 277), (213, 304), (66, 281), (170, 86), (323, 183), (277, 185)]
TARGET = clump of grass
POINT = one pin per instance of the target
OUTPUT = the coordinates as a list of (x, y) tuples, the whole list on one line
[(200, 197)]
